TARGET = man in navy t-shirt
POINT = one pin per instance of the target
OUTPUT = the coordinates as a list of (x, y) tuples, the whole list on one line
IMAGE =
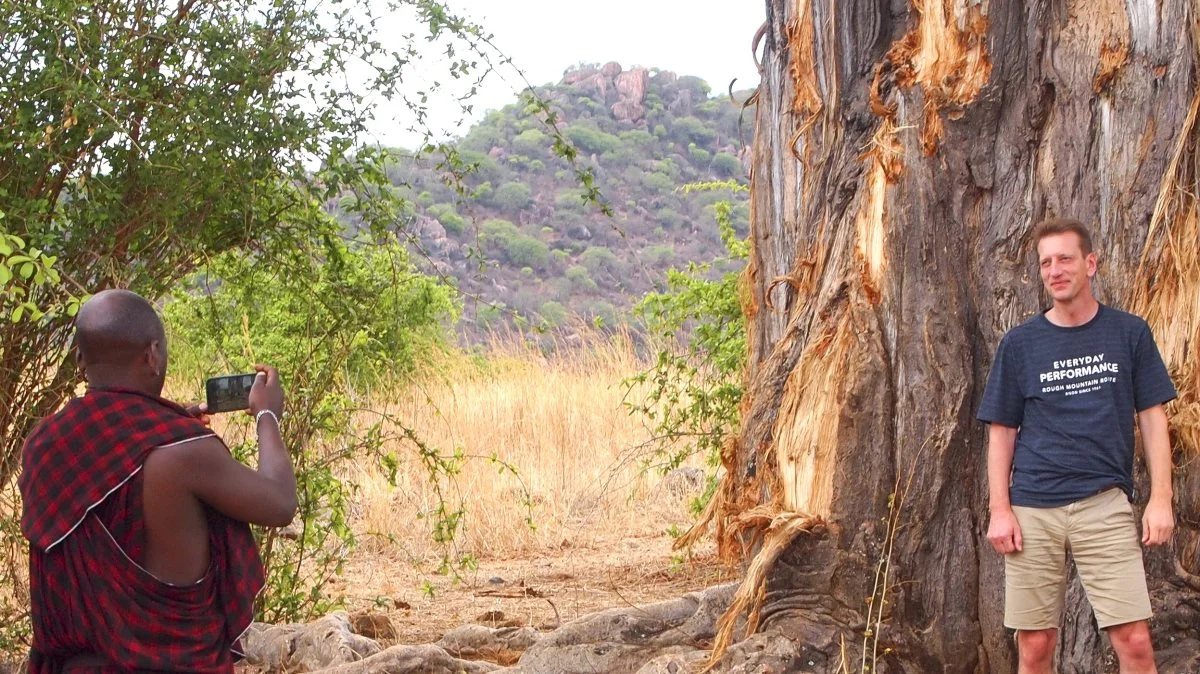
[(1060, 400)]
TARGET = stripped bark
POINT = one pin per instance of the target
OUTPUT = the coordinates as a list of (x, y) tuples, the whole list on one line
[(903, 151)]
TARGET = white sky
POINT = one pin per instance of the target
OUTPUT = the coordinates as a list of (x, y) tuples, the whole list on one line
[(706, 38)]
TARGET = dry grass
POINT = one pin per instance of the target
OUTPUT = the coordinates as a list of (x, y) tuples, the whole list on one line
[(557, 420)]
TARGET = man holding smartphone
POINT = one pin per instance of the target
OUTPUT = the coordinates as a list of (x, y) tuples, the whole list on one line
[(141, 557)]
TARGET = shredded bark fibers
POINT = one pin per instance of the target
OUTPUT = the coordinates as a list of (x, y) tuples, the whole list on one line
[(806, 429), (801, 36), (1167, 284), (749, 599), (946, 53), (1114, 54)]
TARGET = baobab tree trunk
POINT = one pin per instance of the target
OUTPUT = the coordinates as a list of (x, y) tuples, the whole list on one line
[(904, 149)]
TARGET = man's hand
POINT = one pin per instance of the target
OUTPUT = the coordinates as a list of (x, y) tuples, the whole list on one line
[(1005, 532), (200, 411), (267, 391), (1158, 523)]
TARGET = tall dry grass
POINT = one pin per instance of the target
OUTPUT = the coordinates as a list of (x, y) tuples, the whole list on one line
[(558, 420)]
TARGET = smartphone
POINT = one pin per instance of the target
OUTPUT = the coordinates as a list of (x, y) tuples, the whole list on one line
[(229, 393)]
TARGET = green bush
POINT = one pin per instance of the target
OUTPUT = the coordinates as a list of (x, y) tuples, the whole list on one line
[(360, 317), (526, 251), (698, 87), (622, 156), (569, 199), (691, 130), (554, 313), (599, 258), (638, 138), (694, 388), (592, 141), (580, 278), (531, 142), (511, 197), (659, 255), (657, 182), (498, 232), (483, 191), (669, 218), (699, 155), (603, 314), (726, 165), (482, 138), (481, 166), (489, 315), (450, 219)]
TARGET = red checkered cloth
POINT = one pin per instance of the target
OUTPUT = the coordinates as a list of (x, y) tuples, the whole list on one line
[(82, 492)]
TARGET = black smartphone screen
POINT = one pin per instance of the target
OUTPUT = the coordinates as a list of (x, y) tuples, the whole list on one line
[(229, 393)]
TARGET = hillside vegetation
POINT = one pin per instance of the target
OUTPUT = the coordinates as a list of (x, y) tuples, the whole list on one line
[(522, 243)]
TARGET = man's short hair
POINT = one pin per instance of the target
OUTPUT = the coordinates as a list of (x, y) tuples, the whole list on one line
[(1054, 226)]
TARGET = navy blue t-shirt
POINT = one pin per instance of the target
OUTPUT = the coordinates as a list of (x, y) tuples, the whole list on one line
[(1072, 393)]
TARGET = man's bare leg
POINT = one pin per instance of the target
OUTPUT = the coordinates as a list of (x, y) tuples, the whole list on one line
[(1134, 650), (1035, 651)]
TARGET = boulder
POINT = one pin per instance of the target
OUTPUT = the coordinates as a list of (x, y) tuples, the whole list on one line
[(631, 89)]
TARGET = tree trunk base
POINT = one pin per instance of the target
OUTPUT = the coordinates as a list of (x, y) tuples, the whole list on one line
[(806, 623)]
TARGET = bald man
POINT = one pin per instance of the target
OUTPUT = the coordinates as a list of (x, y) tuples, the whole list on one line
[(141, 557)]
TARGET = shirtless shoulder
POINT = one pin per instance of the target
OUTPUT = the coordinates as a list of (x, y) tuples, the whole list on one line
[(176, 526)]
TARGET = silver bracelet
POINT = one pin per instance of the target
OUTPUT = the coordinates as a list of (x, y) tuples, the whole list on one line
[(258, 417)]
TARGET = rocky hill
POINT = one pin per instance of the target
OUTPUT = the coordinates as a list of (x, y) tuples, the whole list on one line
[(520, 240)]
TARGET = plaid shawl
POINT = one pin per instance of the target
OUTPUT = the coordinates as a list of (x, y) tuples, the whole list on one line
[(89, 594)]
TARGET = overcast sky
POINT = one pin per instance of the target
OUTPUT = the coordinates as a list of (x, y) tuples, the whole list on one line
[(706, 38)]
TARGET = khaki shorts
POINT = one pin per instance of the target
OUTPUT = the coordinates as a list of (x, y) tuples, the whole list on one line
[(1101, 535)]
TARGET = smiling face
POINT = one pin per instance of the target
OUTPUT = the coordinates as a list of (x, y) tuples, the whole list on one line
[(1066, 270)]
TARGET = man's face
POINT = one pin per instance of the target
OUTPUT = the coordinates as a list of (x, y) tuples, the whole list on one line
[(1066, 270)]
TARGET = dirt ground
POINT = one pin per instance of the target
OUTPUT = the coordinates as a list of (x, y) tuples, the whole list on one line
[(541, 591)]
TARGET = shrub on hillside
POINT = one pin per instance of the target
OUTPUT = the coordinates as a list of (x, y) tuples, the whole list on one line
[(657, 182), (498, 232), (603, 314), (691, 130), (599, 258), (531, 142), (482, 139), (669, 218), (481, 166), (698, 87), (636, 137), (591, 140), (448, 217), (580, 278), (659, 255), (569, 199), (725, 165), (554, 313), (526, 251), (511, 197)]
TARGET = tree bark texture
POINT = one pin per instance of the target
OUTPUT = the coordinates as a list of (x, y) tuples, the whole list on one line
[(904, 150)]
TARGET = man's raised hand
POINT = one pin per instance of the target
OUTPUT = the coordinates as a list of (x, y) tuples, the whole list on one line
[(267, 391)]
